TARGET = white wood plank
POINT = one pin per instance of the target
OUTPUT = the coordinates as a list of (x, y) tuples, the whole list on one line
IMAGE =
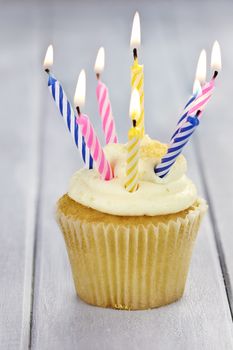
[(19, 131), (201, 320), (215, 134)]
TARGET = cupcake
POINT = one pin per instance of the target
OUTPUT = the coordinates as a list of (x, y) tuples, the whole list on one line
[(131, 250)]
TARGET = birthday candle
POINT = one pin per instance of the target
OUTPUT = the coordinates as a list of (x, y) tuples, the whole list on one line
[(187, 125), (66, 110), (137, 75), (105, 109), (134, 138), (208, 88), (94, 146), (200, 78), (176, 146), (200, 99), (196, 91), (88, 132), (216, 66)]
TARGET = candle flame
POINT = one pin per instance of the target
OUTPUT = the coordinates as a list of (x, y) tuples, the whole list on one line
[(134, 109), (201, 68), (100, 59), (216, 62), (197, 87), (80, 92), (136, 32), (48, 60)]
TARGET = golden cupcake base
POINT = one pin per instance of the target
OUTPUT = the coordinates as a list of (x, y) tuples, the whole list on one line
[(128, 263)]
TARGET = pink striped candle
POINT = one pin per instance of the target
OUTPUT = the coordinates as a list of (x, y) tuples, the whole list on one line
[(208, 88), (198, 104), (201, 101), (93, 143), (88, 132), (105, 108), (105, 111)]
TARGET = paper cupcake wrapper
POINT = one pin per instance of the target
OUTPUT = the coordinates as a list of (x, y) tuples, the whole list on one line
[(131, 267)]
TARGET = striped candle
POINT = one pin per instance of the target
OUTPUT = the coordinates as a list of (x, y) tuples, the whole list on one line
[(65, 109), (195, 104), (207, 90), (137, 82), (105, 111), (134, 137), (176, 146), (196, 92), (137, 75), (105, 108), (68, 115), (202, 100), (93, 143)]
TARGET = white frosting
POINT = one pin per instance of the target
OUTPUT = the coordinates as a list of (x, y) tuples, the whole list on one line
[(154, 196)]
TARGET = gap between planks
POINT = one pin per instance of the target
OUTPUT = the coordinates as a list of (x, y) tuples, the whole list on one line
[(36, 227), (40, 152)]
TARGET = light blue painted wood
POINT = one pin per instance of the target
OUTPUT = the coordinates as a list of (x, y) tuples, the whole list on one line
[(172, 34), (60, 320), (19, 149), (215, 133)]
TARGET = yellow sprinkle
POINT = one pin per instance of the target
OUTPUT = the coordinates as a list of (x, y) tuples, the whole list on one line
[(153, 149)]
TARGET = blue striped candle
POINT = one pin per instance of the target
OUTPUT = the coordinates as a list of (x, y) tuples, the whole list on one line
[(69, 118), (176, 145), (196, 92)]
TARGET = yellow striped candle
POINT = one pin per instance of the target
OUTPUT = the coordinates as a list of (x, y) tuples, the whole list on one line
[(137, 74), (134, 139), (137, 82)]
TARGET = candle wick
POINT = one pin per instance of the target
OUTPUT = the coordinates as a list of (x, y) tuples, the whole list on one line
[(47, 70), (134, 123), (78, 111), (98, 76), (198, 113), (215, 74), (135, 54)]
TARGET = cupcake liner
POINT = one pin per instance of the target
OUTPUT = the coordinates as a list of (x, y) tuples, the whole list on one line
[(131, 266)]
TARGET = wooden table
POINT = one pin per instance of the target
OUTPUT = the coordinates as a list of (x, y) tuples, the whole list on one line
[(38, 305)]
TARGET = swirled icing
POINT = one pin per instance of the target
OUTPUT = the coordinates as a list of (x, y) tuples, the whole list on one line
[(155, 196)]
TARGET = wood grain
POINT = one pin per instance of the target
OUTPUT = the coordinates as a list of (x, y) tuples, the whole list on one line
[(19, 148), (60, 320), (38, 305), (213, 139)]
